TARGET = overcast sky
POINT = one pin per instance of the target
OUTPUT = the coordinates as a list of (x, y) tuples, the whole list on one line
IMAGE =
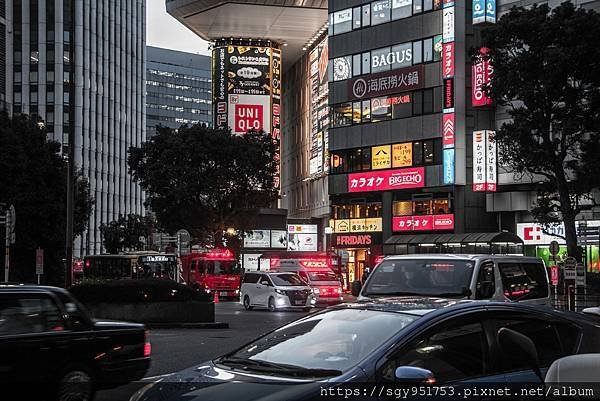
[(165, 31)]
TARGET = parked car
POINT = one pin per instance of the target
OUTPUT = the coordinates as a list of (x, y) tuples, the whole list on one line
[(326, 285), (409, 339), (489, 277), (49, 341), (275, 291)]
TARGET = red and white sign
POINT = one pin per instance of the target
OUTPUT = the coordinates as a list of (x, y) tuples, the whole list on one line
[(448, 130), (482, 72), (490, 162), (249, 112), (385, 180), (448, 60), (349, 240), (484, 161), (554, 275), (436, 222)]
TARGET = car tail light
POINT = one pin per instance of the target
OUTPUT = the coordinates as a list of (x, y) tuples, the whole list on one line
[(147, 345)]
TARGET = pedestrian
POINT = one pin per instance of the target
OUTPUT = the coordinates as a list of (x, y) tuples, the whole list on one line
[(365, 274)]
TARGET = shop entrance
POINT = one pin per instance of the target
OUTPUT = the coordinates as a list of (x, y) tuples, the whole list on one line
[(357, 261)]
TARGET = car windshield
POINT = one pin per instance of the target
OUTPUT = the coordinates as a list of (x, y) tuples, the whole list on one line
[(287, 280), (322, 276), (433, 277), (334, 340)]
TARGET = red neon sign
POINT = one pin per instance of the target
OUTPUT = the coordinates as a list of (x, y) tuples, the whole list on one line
[(248, 117), (436, 222), (482, 72), (389, 179), (448, 60)]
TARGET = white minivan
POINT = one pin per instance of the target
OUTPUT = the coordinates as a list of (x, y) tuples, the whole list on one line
[(486, 277), (275, 291)]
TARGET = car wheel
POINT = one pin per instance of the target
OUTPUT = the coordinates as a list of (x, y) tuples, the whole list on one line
[(272, 304), (76, 385), (247, 305)]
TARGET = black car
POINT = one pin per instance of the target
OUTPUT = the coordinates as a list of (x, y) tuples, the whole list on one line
[(51, 347), (386, 342)]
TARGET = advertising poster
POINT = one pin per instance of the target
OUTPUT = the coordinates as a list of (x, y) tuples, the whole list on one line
[(381, 157), (302, 237), (479, 165), (257, 239), (385, 180), (250, 262), (319, 109), (402, 155), (448, 95), (478, 11), (490, 11), (481, 74), (279, 239), (249, 69), (249, 112), (219, 86)]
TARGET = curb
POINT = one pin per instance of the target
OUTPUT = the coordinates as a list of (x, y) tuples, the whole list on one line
[(175, 325)]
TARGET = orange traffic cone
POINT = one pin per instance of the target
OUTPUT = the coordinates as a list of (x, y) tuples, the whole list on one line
[(216, 297)]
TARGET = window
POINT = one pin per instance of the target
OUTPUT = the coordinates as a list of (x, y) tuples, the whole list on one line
[(356, 18), (366, 111), (417, 6), (193, 266), (417, 103), (366, 63), (251, 278), (356, 113), (417, 52), (17, 77), (28, 314), (427, 50), (263, 278), (452, 352), (427, 101), (49, 76), (366, 159), (427, 5), (485, 281), (437, 48), (417, 153), (401, 9), (17, 97), (381, 109), (428, 151), (33, 97), (380, 12), (342, 68), (366, 15), (17, 57), (401, 106), (402, 55), (342, 115), (66, 97), (523, 280), (441, 206), (66, 77), (33, 76), (381, 60), (34, 56), (66, 57), (342, 21), (403, 208), (356, 64), (50, 57)]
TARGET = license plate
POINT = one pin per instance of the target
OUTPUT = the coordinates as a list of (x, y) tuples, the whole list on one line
[(223, 294), (298, 303)]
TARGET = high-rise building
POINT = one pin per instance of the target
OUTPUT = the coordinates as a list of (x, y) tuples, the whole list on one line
[(79, 66), (2, 54), (177, 89)]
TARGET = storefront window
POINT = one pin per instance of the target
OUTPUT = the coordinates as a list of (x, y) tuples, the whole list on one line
[(342, 21), (402, 208), (342, 115), (441, 206), (357, 211), (356, 113), (366, 111), (380, 12), (401, 9), (381, 109), (422, 207)]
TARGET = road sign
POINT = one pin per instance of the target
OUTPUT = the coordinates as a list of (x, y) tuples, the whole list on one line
[(39, 261), (554, 275), (570, 265), (554, 248)]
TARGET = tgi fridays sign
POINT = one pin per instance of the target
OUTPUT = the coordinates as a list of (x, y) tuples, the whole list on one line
[(387, 180), (484, 161), (387, 82), (482, 72), (448, 117)]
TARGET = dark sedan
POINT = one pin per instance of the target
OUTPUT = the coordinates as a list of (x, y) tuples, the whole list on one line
[(411, 340), (50, 346)]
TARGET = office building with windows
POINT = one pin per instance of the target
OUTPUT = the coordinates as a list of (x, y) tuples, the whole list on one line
[(177, 89), (79, 66)]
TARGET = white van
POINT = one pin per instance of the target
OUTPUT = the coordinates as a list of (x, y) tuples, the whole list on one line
[(275, 291), (325, 283), (486, 277)]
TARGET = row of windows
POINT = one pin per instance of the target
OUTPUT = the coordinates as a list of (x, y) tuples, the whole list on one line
[(33, 76), (178, 97), (378, 12), (437, 204), (409, 154), (176, 86), (386, 58), (178, 76), (176, 108), (383, 108), (177, 120), (357, 211), (33, 97), (34, 57)]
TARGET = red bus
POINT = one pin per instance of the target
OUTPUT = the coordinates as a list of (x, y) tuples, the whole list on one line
[(215, 270)]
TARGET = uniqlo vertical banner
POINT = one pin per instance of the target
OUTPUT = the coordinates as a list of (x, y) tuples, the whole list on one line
[(485, 175)]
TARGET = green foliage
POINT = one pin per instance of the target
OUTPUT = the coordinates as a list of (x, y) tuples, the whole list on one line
[(205, 180), (33, 178), (136, 291), (546, 76), (124, 233)]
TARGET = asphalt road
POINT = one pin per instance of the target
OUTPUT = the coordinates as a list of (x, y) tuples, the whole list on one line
[(177, 349)]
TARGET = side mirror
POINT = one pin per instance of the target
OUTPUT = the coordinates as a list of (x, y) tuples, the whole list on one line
[(519, 347), (415, 375), (592, 311), (356, 287)]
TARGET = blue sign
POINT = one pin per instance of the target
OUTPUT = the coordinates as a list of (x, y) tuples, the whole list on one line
[(448, 166), (479, 9), (490, 11)]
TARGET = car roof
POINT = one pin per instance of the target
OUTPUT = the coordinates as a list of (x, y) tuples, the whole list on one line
[(473, 257), (16, 287)]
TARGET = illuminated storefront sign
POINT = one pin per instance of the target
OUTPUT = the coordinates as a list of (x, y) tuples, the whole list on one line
[(484, 161), (484, 11), (436, 222), (387, 82), (448, 70), (402, 155), (482, 72), (387, 180), (448, 130), (448, 95), (319, 109), (371, 224), (448, 60), (353, 240), (533, 233), (448, 165), (448, 24), (381, 157)]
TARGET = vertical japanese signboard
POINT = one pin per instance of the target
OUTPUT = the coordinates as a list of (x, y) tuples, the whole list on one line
[(448, 119), (319, 110), (484, 161), (482, 72), (484, 11)]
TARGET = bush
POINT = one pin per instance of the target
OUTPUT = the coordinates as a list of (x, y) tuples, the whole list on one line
[(135, 291)]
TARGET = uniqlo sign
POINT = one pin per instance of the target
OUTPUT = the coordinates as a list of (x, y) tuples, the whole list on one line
[(448, 60), (387, 180), (248, 117), (439, 222), (249, 112)]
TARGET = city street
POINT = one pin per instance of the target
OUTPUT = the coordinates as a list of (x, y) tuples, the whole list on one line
[(177, 349)]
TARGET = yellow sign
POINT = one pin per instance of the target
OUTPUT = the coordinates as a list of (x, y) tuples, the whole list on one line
[(402, 155), (381, 157), (358, 225)]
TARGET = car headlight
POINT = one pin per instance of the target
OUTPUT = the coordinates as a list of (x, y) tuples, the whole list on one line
[(138, 395), (277, 290)]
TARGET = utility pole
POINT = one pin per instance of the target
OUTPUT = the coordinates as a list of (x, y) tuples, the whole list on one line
[(69, 219), (9, 226)]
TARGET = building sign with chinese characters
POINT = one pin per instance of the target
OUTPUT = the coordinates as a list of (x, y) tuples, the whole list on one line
[(381, 157), (371, 224), (436, 222), (387, 82), (482, 72), (387, 180), (319, 109), (402, 155), (448, 60), (448, 24), (484, 161)]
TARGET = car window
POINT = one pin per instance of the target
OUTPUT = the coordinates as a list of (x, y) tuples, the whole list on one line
[(29, 314), (522, 281), (289, 279), (264, 277), (251, 278), (485, 281), (552, 340), (451, 352), (322, 276)]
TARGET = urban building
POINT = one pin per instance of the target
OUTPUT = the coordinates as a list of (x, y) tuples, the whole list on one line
[(79, 67), (177, 89), (2, 54)]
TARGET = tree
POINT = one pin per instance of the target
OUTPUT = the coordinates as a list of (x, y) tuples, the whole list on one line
[(124, 233), (33, 178), (205, 180), (546, 67)]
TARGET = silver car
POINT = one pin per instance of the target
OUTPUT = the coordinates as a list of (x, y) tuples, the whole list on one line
[(275, 291)]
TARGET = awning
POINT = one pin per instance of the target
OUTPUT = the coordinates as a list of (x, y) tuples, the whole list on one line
[(465, 238)]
